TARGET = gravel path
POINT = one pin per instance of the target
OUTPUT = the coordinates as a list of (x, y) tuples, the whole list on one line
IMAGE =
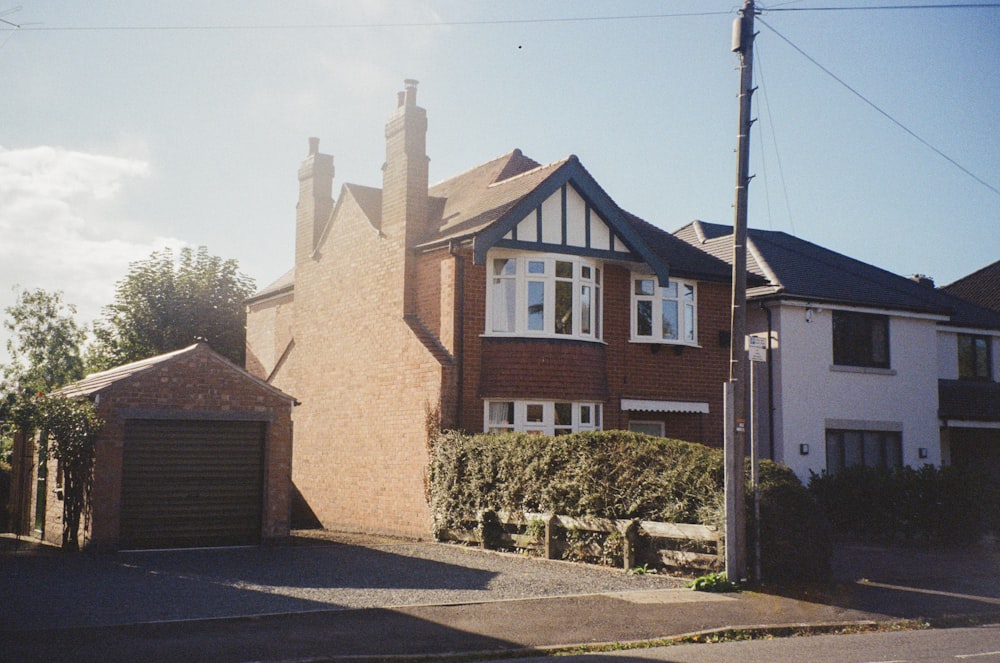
[(48, 591)]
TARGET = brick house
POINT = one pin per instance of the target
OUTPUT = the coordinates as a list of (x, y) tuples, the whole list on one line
[(513, 296), (194, 452)]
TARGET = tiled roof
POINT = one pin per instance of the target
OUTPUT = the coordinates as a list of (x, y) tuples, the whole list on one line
[(283, 283), (982, 287), (796, 268), (476, 198), (684, 259), (96, 382), (969, 400)]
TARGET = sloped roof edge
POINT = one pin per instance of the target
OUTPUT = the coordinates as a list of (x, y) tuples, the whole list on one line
[(97, 382)]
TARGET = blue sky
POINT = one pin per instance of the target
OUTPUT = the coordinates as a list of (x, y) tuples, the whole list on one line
[(118, 142)]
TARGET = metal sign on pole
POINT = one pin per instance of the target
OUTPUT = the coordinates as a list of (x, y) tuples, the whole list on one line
[(757, 347)]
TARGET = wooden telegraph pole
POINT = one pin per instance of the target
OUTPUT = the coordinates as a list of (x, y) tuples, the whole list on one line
[(736, 388)]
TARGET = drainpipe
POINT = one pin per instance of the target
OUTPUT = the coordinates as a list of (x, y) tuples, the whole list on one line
[(770, 383), (459, 330)]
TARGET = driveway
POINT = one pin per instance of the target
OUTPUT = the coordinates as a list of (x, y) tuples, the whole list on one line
[(55, 590)]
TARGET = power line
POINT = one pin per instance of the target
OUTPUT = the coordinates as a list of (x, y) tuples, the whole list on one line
[(882, 112), (350, 26), (881, 7)]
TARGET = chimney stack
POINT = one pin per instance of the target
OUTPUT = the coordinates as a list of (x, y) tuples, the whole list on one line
[(315, 200), (404, 175)]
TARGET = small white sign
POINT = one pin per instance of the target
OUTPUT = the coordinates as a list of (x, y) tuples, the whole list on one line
[(757, 347)]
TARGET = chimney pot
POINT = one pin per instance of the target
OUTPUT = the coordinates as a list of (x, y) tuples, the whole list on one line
[(313, 146), (411, 91)]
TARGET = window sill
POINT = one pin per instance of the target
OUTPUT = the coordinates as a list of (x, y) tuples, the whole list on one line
[(866, 370), (544, 337), (653, 341)]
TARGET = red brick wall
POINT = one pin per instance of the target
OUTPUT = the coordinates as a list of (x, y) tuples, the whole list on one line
[(269, 331), (608, 372), (194, 386), (365, 380)]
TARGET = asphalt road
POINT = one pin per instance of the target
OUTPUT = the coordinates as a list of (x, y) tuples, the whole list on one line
[(970, 645)]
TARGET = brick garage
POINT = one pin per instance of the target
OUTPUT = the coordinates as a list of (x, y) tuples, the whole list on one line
[(194, 452)]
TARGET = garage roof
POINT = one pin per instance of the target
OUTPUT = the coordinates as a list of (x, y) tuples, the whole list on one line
[(96, 382)]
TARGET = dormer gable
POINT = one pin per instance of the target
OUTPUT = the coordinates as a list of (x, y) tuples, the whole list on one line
[(568, 212)]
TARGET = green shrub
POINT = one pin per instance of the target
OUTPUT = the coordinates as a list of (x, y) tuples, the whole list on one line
[(930, 504), (622, 475), (794, 535), (612, 474)]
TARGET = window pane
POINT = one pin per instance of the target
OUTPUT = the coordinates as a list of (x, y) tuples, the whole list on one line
[(504, 305), (597, 312), (536, 305), (504, 267), (644, 318), (834, 452), (535, 413), (653, 428), (670, 291), (669, 319), (852, 448), (584, 272), (564, 414), (880, 342), (564, 307), (688, 292), (894, 449), (689, 315), (585, 309), (982, 357), (501, 413), (536, 266), (585, 415), (564, 270), (860, 339), (873, 450), (644, 286)]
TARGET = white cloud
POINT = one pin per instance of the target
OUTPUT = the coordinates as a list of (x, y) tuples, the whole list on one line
[(61, 227)]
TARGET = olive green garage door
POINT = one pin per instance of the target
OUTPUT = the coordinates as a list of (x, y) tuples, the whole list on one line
[(191, 483)]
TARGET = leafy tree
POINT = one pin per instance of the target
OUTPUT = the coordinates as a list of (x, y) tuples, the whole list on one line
[(69, 429), (45, 343), (164, 305)]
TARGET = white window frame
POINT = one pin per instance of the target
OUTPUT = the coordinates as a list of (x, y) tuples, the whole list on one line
[(523, 280), (539, 416), (681, 292)]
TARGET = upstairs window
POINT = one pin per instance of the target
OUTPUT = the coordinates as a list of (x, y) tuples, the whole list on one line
[(860, 339), (974, 358), (664, 314), (544, 295)]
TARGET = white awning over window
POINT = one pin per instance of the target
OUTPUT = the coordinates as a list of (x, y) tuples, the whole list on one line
[(637, 405)]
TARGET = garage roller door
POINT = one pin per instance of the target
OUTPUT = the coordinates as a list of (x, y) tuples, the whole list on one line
[(191, 483)]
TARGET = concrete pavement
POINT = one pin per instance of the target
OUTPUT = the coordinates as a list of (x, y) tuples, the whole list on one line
[(875, 585)]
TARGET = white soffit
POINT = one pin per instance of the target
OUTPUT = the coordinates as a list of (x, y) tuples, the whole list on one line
[(636, 405)]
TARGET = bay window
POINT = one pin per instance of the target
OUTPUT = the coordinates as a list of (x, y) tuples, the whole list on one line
[(542, 417), (666, 314), (544, 295)]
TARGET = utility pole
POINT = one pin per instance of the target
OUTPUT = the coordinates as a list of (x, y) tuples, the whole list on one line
[(736, 391)]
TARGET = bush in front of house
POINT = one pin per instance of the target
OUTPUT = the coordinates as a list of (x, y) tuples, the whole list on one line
[(611, 474), (937, 505), (620, 475), (794, 534)]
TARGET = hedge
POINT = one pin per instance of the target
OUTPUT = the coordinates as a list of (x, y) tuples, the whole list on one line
[(618, 474), (947, 505)]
